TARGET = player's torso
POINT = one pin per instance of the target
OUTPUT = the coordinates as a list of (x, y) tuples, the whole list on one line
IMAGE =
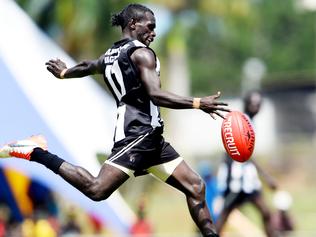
[(136, 112), (238, 177)]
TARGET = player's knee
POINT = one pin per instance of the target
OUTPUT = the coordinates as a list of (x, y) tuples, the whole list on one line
[(97, 192), (266, 215), (97, 196), (198, 189)]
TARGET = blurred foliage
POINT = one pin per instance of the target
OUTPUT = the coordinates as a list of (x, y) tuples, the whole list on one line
[(101, 157), (227, 33), (219, 35)]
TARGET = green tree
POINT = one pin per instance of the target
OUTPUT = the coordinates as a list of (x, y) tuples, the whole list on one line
[(226, 34)]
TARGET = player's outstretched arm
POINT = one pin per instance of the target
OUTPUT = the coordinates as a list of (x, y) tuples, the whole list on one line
[(89, 67), (271, 182), (144, 59)]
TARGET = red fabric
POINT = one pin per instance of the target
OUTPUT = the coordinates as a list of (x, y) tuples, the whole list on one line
[(97, 223), (2, 229), (141, 228)]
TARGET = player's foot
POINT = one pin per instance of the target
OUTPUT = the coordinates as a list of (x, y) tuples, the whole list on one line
[(23, 148)]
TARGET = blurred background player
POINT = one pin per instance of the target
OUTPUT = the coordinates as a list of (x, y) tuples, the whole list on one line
[(239, 183)]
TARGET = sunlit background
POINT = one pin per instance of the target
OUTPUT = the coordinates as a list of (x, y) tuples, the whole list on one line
[(204, 46)]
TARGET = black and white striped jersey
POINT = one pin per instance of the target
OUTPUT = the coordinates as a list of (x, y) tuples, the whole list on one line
[(236, 177), (136, 114)]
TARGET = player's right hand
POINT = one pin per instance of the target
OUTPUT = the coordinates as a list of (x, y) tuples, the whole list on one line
[(55, 66), (210, 105)]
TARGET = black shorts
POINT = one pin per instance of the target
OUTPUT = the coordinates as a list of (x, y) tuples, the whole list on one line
[(142, 152), (233, 200)]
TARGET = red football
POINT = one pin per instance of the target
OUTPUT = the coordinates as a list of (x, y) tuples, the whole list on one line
[(238, 136)]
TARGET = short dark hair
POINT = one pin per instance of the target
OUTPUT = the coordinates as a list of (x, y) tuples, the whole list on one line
[(132, 11)]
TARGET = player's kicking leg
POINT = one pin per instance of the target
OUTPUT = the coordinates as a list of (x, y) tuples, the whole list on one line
[(98, 188)]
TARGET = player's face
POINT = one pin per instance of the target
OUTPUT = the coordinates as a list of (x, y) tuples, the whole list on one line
[(254, 105), (145, 29)]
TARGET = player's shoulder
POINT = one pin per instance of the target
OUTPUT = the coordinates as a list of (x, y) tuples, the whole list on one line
[(144, 53), (143, 56)]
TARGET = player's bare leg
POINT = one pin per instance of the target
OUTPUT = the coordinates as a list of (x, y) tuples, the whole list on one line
[(224, 216), (222, 220), (191, 184), (98, 188), (260, 204)]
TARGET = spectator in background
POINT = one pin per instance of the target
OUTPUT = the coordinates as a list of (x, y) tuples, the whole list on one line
[(239, 183), (142, 227), (71, 226), (43, 228), (38, 225)]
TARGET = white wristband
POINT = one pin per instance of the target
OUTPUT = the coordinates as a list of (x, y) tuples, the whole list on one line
[(196, 103), (62, 73)]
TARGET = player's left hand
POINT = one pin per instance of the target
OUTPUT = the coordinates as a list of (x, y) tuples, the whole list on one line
[(273, 185), (55, 66), (210, 105)]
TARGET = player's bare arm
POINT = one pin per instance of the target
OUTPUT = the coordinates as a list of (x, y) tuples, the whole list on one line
[(144, 59), (266, 177), (85, 68)]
